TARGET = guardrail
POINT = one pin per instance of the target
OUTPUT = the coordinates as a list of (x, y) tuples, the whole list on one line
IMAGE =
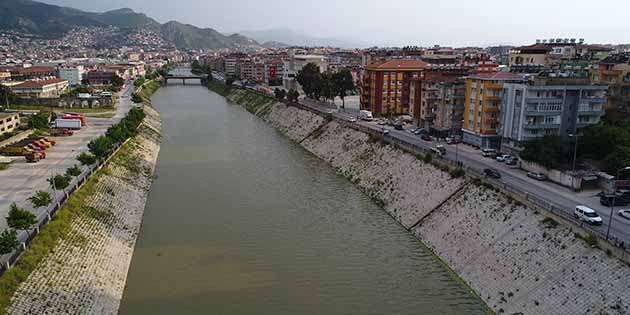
[(59, 198)]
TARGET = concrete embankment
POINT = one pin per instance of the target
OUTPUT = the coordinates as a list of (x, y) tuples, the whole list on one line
[(517, 261), (85, 273)]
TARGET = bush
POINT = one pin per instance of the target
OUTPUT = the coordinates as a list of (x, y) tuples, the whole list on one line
[(41, 199), (101, 146), (550, 222), (60, 182), (457, 172), (74, 171), (428, 158), (8, 241), (20, 219), (39, 121), (86, 158)]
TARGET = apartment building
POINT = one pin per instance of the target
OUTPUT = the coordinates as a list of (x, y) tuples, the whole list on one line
[(233, 62), (72, 74), (273, 72), (49, 88), (431, 93), (386, 86), (9, 122), (614, 71), (482, 107), (548, 105), (295, 63), (536, 54)]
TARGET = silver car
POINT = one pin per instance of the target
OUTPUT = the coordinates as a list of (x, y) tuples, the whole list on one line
[(537, 176), (625, 213)]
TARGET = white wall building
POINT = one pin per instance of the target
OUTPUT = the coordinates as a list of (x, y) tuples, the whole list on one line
[(295, 63), (72, 74)]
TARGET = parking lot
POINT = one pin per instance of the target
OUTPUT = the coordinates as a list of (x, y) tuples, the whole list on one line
[(22, 179)]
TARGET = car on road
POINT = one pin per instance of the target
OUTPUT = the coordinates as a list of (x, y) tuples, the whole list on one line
[(381, 123), (440, 150), (366, 115), (537, 176), (490, 172), (384, 131), (399, 126), (625, 213), (491, 153), (587, 215), (425, 137), (352, 120), (453, 140), (615, 200), (512, 160), (502, 157), (419, 131)]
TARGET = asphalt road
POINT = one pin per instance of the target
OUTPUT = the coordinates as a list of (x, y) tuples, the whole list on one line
[(561, 197), (21, 179)]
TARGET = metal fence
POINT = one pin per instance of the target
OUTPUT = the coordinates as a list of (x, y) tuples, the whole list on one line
[(43, 218)]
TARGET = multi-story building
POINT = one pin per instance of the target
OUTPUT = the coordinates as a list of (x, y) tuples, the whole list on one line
[(386, 86), (614, 71), (5, 75), (274, 70), (100, 77), (295, 63), (29, 73), (449, 113), (536, 54), (548, 105), (233, 62), (48, 88), (72, 74), (9, 122), (430, 93), (482, 107)]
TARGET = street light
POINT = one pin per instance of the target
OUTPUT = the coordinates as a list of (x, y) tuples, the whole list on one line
[(577, 138), (612, 205)]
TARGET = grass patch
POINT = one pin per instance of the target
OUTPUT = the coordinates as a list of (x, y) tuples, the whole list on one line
[(148, 89), (590, 239), (4, 166), (550, 222), (219, 88), (44, 243)]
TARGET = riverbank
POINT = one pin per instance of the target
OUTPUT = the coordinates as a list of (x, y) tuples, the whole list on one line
[(517, 260), (82, 269)]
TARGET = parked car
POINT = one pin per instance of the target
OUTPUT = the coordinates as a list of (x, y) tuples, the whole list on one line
[(453, 140), (425, 137), (399, 126), (625, 213), (366, 115), (491, 153), (537, 176), (502, 157), (352, 120), (440, 150), (587, 215), (512, 160), (384, 131), (615, 200), (382, 123), (419, 131), (490, 172)]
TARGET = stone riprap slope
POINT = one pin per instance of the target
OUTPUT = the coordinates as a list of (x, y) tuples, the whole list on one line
[(87, 270), (520, 264), (407, 187)]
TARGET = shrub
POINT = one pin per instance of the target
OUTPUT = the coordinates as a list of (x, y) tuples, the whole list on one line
[(457, 172), (8, 241), (550, 222), (428, 158), (73, 171), (101, 146), (86, 158), (41, 199), (20, 219), (60, 182)]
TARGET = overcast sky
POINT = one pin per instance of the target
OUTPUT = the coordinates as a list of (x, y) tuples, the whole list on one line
[(398, 22)]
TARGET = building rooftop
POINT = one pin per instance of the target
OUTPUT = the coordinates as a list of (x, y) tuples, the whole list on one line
[(398, 64), (39, 83), (499, 76)]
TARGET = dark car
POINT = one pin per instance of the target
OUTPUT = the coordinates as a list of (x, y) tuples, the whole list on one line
[(398, 126), (613, 200), (425, 137), (419, 131), (489, 172)]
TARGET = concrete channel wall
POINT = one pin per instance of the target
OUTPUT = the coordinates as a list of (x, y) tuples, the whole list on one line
[(517, 259)]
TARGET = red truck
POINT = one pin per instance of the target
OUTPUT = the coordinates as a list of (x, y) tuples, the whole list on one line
[(34, 157), (76, 116)]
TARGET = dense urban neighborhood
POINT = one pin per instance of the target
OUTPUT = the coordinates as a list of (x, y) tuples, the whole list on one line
[(543, 127)]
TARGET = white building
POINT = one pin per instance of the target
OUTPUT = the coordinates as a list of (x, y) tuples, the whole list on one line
[(72, 74), (295, 63), (9, 122)]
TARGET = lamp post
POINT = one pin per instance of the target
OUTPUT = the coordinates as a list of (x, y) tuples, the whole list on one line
[(612, 205), (577, 138)]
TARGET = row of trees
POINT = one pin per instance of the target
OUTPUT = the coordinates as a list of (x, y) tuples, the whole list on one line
[(291, 96), (608, 144), (325, 86), (199, 68), (102, 146)]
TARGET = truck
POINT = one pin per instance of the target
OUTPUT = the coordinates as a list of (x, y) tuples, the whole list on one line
[(78, 116), (34, 157), (68, 123), (20, 148), (366, 115)]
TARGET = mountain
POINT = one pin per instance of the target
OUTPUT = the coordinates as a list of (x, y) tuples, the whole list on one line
[(289, 37), (51, 21)]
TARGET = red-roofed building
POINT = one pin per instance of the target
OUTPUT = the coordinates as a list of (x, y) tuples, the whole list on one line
[(386, 86), (28, 73), (49, 88)]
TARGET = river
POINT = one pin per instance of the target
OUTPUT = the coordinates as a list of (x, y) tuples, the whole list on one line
[(241, 220)]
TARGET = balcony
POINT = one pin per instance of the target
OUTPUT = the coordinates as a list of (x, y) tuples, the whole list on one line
[(541, 125)]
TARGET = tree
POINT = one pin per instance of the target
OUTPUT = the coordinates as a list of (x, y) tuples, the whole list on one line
[(310, 79), (39, 121), (343, 83), (7, 96), (136, 98), (60, 182), (139, 82), (229, 82), (327, 88), (86, 158), (74, 171), (117, 81), (101, 146), (8, 241), (41, 199), (280, 93), (546, 151), (20, 219)]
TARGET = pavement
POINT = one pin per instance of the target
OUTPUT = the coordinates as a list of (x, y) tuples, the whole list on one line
[(21, 179), (560, 197)]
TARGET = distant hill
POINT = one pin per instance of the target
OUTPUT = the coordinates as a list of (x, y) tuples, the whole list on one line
[(290, 37), (53, 21)]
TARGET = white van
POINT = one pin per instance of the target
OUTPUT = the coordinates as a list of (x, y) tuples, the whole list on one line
[(366, 115), (587, 215), (489, 152)]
